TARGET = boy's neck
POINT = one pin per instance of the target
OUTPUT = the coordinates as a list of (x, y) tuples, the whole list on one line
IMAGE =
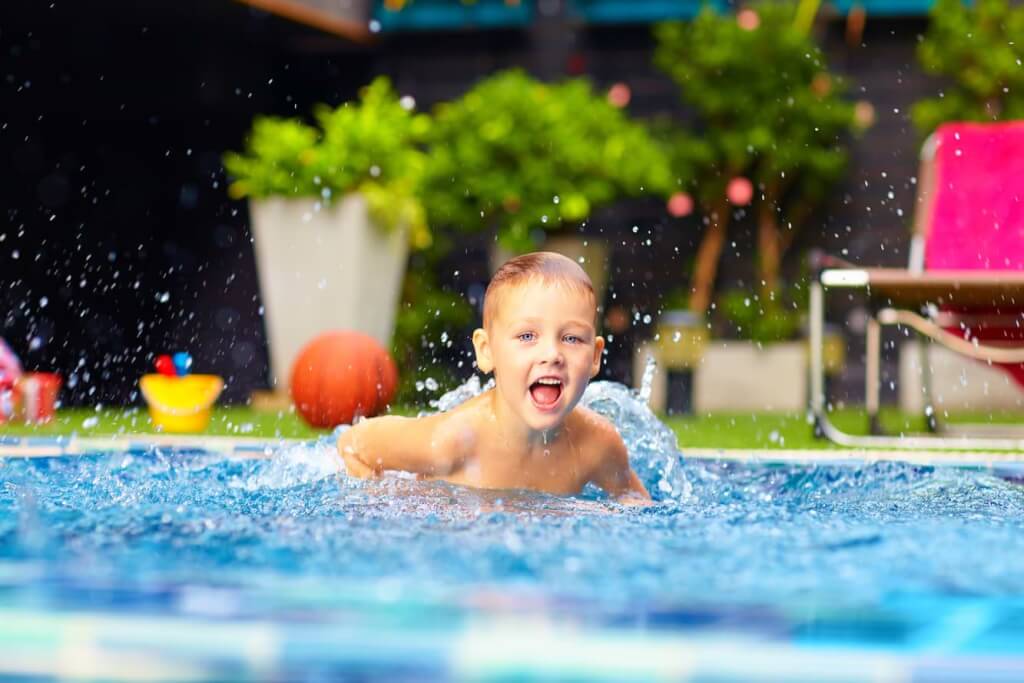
[(517, 433)]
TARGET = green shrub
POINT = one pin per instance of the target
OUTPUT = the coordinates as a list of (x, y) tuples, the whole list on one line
[(519, 155), (978, 48), (760, 320), (426, 315)]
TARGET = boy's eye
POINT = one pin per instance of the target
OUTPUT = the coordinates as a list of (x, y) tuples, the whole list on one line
[(572, 339), (527, 336)]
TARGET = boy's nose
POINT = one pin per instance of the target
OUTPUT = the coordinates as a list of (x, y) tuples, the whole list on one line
[(552, 354)]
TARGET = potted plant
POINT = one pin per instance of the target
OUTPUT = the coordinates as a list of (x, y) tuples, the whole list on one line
[(334, 207), (529, 159), (768, 140)]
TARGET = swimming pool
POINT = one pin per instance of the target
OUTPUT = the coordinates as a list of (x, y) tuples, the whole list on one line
[(171, 564)]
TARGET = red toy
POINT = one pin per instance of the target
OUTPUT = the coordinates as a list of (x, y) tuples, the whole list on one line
[(340, 375), (165, 365), (36, 396)]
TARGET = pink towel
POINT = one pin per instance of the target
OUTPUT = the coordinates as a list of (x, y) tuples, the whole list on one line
[(978, 210), (978, 215)]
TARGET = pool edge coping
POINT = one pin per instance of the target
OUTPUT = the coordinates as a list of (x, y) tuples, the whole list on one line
[(256, 448)]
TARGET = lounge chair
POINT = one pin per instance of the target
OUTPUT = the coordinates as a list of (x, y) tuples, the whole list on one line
[(964, 287)]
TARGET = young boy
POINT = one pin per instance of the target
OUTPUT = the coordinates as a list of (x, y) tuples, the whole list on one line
[(539, 340)]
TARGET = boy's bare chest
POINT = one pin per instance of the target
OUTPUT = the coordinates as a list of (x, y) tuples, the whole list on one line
[(559, 469)]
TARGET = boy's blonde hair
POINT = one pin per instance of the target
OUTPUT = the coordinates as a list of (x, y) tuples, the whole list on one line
[(546, 266)]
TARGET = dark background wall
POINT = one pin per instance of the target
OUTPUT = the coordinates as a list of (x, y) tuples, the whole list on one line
[(118, 241)]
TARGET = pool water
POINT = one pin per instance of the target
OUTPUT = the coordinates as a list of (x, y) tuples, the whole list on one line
[(285, 568)]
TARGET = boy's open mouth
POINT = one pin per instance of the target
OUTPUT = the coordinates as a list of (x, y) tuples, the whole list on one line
[(546, 391)]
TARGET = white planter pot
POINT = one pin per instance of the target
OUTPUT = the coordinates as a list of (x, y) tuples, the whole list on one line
[(739, 376), (323, 270), (958, 382), (734, 376)]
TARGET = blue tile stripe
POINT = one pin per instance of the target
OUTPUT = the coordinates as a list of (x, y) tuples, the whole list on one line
[(35, 446)]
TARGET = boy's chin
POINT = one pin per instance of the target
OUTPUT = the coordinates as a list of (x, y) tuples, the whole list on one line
[(542, 418)]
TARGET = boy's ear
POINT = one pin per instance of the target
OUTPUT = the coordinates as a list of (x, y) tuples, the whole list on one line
[(482, 345), (595, 367)]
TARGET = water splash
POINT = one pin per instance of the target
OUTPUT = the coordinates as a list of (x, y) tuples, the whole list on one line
[(647, 381), (298, 465), (459, 394)]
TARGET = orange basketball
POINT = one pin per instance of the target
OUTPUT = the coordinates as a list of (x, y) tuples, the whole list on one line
[(340, 375)]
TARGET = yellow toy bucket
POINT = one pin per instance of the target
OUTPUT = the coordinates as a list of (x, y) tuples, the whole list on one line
[(181, 404)]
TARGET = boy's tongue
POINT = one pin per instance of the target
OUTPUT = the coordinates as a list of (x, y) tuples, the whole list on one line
[(545, 394)]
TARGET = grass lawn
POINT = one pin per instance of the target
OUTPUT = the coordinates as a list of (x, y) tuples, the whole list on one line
[(718, 430), (226, 421)]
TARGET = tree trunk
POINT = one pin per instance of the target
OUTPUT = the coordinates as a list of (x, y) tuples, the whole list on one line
[(709, 253), (796, 215), (768, 244)]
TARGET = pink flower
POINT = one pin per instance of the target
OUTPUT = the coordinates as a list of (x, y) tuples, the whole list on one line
[(748, 19), (680, 204), (739, 191), (618, 95)]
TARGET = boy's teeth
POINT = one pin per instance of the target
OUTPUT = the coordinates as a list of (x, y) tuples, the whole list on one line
[(549, 381)]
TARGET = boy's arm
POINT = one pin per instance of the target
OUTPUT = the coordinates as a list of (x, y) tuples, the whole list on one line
[(391, 442), (616, 477)]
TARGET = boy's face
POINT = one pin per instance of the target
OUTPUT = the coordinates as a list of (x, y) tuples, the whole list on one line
[(543, 349)]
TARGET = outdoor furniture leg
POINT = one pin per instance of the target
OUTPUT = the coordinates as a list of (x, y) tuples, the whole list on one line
[(817, 365), (860, 278), (872, 375), (931, 419)]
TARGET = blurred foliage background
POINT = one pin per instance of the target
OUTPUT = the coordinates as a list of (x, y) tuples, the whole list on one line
[(515, 157)]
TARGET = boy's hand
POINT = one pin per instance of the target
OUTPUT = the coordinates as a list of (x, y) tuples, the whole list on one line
[(353, 465), (356, 467), (634, 498)]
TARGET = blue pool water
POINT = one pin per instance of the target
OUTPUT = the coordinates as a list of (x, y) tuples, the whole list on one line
[(284, 568)]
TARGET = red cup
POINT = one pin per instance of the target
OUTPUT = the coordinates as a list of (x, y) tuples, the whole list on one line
[(35, 396)]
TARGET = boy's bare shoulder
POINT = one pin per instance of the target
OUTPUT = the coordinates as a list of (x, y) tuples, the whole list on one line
[(458, 429), (599, 436)]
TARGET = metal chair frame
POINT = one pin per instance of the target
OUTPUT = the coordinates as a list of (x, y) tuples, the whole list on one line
[(892, 294)]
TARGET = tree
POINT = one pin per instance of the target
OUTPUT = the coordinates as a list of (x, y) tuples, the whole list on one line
[(979, 48), (768, 110)]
